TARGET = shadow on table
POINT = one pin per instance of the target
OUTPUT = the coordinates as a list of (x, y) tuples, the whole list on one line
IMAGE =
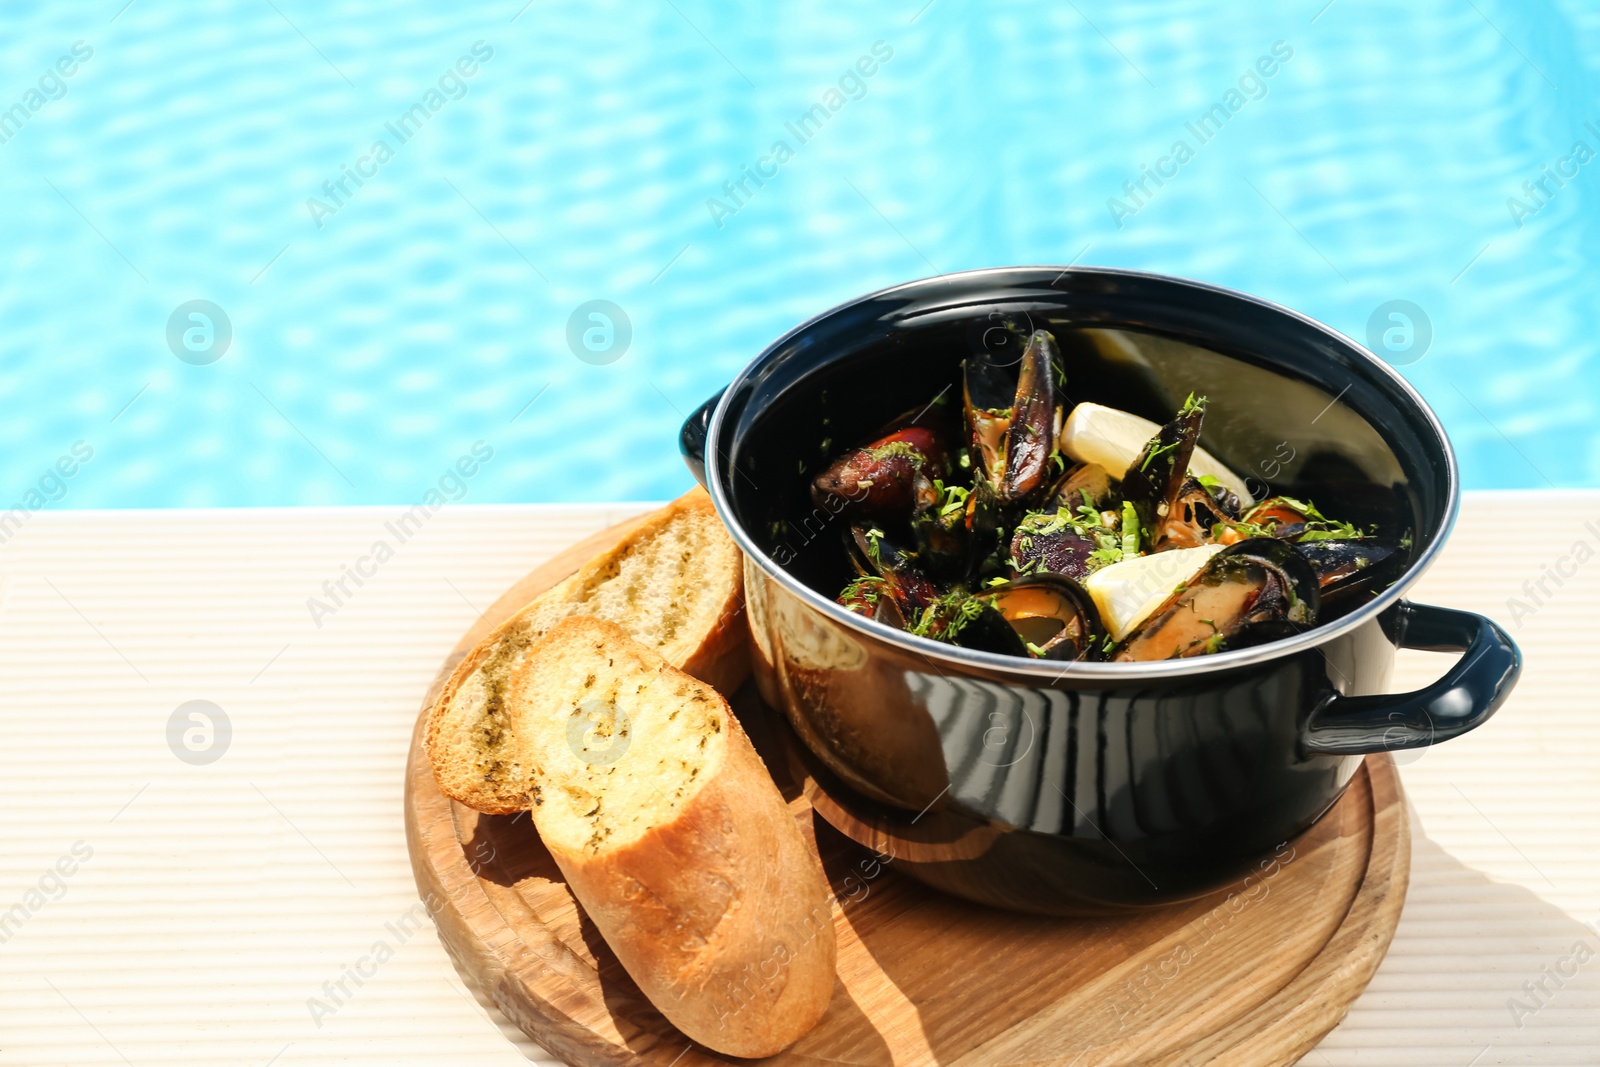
[(1484, 967)]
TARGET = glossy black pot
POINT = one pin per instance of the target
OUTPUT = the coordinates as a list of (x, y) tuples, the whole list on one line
[(1082, 788)]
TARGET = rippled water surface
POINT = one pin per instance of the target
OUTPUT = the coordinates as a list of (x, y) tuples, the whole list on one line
[(565, 153)]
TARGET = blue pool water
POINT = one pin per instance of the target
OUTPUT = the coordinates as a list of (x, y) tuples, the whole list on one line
[(538, 157)]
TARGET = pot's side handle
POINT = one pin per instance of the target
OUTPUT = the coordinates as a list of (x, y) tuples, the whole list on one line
[(1466, 696), (692, 438)]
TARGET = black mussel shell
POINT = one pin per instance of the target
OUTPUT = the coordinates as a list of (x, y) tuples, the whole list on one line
[(1031, 435), (1299, 577), (988, 631), (1012, 413), (988, 390), (1254, 591), (1075, 481), (987, 519), (1052, 613), (1351, 572), (873, 597), (943, 545), (1155, 479), (902, 574)]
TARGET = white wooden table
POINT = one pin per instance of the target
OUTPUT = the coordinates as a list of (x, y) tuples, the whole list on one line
[(259, 908)]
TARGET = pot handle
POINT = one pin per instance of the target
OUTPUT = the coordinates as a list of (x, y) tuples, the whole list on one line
[(692, 438), (1466, 696)]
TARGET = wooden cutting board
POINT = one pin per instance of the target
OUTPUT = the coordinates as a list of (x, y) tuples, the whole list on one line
[(1250, 977)]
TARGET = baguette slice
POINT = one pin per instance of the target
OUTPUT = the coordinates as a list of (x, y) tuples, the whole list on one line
[(675, 840), (676, 584)]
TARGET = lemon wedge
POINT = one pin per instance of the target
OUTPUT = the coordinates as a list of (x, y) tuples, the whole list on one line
[(1095, 433), (1128, 592)]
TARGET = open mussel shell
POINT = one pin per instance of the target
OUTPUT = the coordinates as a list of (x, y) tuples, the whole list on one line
[(870, 596), (1299, 578), (1052, 613), (1255, 591), (987, 519), (1013, 417), (1280, 513), (1193, 514), (988, 390), (1031, 434), (986, 630), (1351, 572), (1154, 481), (1078, 481), (942, 544), (873, 555)]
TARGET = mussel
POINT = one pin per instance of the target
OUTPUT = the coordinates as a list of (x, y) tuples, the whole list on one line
[(1081, 484), (1013, 440), (972, 622), (1255, 591), (1056, 543), (886, 480), (1052, 614), (1042, 616), (942, 539), (1279, 516), (874, 556), (1196, 511), (870, 595), (1155, 481), (1349, 573)]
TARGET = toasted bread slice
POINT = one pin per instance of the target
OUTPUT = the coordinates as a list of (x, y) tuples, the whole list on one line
[(675, 584), (675, 840)]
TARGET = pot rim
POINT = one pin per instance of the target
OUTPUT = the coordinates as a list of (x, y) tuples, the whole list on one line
[(1031, 670)]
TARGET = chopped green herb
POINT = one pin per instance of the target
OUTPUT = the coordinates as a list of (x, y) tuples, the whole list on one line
[(863, 592), (952, 500), (874, 551), (896, 448), (1152, 453), (1130, 529)]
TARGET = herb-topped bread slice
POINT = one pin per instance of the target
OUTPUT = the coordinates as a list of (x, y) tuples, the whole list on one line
[(675, 584), (675, 840)]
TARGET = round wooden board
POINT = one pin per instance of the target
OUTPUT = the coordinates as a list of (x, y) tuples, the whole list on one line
[(1251, 977)]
